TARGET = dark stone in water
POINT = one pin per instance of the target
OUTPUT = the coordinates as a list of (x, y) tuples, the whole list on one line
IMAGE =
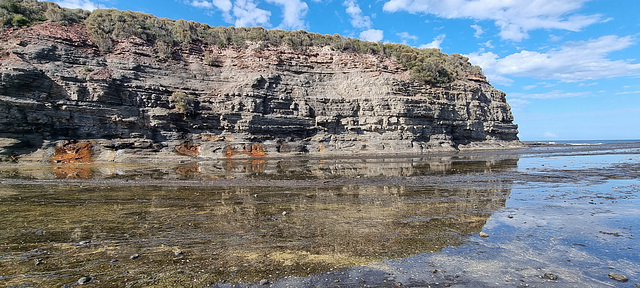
[(618, 277), (550, 276), (84, 280)]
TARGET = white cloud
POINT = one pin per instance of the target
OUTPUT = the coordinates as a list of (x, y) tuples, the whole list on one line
[(406, 36), (514, 18), (517, 104), (572, 62), (555, 38), (435, 43), (372, 35), (556, 94), (293, 11), (75, 4), (247, 14), (222, 5), (243, 13), (628, 92), (357, 19), (488, 44), (478, 29), (201, 4)]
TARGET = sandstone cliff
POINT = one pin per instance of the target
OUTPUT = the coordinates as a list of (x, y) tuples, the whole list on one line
[(60, 95)]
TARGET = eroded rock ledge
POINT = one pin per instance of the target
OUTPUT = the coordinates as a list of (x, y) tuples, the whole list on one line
[(58, 90)]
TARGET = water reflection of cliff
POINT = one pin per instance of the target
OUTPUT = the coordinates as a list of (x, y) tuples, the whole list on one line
[(297, 168), (208, 234)]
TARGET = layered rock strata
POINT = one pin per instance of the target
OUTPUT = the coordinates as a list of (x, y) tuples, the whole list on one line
[(58, 89)]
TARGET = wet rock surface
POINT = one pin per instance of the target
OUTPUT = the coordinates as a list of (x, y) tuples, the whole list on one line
[(352, 223)]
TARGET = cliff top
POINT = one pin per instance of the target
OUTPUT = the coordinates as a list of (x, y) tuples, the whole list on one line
[(107, 26)]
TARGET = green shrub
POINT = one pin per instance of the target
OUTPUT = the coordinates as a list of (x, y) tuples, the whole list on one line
[(19, 13), (19, 20), (182, 102)]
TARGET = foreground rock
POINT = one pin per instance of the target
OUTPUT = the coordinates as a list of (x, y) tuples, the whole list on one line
[(618, 277), (59, 90)]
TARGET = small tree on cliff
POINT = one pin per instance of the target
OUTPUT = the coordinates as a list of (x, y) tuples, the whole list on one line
[(182, 102)]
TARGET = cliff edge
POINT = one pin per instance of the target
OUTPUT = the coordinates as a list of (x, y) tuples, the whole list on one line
[(64, 99)]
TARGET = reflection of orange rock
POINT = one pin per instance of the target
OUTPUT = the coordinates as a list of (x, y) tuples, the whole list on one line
[(257, 165), (70, 152), (72, 171), (188, 149), (189, 169)]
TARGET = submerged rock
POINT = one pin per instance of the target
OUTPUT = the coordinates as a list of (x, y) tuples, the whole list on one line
[(84, 280), (618, 277)]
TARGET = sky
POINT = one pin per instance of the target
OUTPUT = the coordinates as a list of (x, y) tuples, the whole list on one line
[(570, 68)]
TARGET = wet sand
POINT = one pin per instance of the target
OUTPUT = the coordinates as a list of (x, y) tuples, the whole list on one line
[(555, 216)]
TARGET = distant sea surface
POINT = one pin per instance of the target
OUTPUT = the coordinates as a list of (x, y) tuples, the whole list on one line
[(585, 142)]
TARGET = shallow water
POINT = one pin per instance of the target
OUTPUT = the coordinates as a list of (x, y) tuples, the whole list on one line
[(572, 211)]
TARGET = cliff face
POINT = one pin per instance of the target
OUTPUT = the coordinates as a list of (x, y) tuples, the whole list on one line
[(59, 94)]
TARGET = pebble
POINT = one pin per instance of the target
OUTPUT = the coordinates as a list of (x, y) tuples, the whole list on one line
[(483, 234), (618, 277), (84, 280), (178, 252), (134, 256), (550, 276), (263, 282)]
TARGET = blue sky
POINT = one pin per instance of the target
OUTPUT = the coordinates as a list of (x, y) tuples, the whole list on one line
[(570, 68)]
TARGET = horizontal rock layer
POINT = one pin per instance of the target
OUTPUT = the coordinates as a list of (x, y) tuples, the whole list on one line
[(61, 91)]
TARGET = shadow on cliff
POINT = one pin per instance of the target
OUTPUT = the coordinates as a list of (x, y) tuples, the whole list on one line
[(10, 148)]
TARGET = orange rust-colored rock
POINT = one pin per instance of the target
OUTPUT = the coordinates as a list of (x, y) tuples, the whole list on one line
[(476, 77), (188, 149), (211, 138), (254, 150), (257, 150), (72, 152), (229, 152)]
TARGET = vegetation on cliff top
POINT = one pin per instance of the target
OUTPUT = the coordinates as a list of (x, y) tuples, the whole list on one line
[(106, 26)]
